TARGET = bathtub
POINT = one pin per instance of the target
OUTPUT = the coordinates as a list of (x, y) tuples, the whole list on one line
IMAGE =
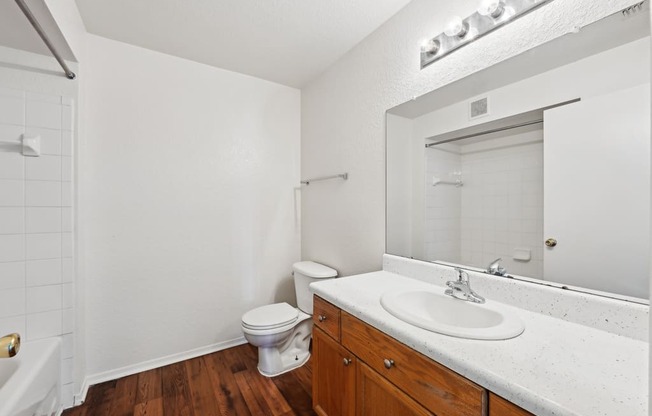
[(30, 382)]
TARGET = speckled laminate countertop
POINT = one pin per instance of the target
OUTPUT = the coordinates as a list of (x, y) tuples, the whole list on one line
[(554, 368)]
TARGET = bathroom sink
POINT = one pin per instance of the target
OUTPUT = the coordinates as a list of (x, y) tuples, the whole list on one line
[(446, 315)]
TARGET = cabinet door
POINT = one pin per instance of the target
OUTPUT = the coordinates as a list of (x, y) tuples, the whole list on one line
[(376, 396), (333, 377), (501, 407)]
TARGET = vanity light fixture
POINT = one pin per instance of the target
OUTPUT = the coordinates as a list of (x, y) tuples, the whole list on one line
[(493, 8), (457, 28), (633, 9), (491, 14), (430, 47)]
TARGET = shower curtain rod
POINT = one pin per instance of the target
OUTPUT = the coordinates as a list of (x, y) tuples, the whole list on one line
[(482, 133), (30, 16)]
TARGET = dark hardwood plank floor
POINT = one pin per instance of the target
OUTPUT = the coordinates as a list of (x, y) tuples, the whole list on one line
[(225, 383)]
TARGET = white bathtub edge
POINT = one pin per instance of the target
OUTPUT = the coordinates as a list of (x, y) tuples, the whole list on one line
[(151, 364), (39, 370)]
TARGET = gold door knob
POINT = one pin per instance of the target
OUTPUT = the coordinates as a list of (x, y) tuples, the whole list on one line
[(551, 242), (9, 345)]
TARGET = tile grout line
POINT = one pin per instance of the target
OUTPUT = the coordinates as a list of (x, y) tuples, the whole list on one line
[(62, 332), (61, 213), (25, 215)]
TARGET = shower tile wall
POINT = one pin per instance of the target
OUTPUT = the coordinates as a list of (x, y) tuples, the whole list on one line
[(502, 207), (443, 214), (499, 208), (36, 253)]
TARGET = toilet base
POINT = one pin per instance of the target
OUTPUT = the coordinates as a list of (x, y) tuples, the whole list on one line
[(294, 352), (288, 364)]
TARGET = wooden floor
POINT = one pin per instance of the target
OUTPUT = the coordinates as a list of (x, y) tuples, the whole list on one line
[(219, 384)]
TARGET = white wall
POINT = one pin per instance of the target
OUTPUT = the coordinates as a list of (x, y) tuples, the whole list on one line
[(343, 115), (225, 247), (36, 204), (188, 174), (399, 186)]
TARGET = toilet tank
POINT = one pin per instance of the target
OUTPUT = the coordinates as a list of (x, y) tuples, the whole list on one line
[(306, 272)]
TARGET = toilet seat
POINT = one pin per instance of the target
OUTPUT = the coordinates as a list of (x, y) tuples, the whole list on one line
[(268, 317)]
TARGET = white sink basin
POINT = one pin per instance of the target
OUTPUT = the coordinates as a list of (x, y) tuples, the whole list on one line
[(441, 313)]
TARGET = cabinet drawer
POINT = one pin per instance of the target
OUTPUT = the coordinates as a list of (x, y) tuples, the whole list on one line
[(327, 317), (437, 388), (501, 407)]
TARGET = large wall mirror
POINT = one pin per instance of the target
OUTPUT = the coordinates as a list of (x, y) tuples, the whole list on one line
[(542, 160)]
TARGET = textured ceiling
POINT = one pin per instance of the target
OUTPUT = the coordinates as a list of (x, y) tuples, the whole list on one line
[(16, 31), (285, 41)]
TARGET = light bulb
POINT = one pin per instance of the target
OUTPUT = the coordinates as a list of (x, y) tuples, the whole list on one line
[(456, 27), (431, 46), (493, 8)]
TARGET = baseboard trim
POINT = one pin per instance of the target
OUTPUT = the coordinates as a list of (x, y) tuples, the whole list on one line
[(151, 364)]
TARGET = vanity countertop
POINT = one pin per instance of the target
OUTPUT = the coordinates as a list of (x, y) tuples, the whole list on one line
[(554, 368)]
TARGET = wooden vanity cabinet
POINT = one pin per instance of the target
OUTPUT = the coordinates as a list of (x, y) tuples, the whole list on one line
[(359, 370)]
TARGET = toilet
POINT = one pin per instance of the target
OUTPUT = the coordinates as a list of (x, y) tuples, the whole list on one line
[(282, 332)]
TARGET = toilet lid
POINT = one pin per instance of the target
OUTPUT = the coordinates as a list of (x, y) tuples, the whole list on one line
[(270, 316)]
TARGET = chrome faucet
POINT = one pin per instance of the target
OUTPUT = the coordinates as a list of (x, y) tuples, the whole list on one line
[(461, 288), (495, 268)]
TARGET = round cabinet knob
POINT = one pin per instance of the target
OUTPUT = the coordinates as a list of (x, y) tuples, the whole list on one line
[(388, 363), (347, 361), (321, 318), (551, 242)]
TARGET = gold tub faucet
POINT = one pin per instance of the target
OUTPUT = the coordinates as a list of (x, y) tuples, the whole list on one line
[(9, 345)]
